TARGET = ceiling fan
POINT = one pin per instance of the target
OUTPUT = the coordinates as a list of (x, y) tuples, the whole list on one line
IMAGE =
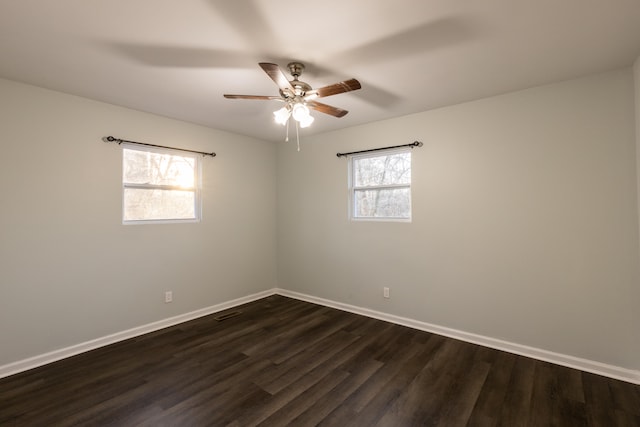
[(299, 96)]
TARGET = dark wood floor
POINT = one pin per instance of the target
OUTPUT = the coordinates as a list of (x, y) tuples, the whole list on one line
[(287, 362)]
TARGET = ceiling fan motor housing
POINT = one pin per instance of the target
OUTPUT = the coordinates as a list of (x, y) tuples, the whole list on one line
[(296, 69), (300, 87)]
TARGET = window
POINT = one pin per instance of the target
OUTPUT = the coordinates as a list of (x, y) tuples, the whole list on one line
[(160, 186), (380, 185)]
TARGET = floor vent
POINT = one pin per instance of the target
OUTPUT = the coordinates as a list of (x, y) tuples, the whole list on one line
[(227, 315)]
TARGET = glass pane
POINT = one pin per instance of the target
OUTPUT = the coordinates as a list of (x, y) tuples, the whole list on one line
[(144, 167), (143, 204), (386, 203), (382, 170)]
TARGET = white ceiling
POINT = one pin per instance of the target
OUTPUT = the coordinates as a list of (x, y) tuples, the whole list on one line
[(177, 58)]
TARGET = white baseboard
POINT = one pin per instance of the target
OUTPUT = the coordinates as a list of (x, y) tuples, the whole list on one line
[(598, 368), (594, 367), (53, 356)]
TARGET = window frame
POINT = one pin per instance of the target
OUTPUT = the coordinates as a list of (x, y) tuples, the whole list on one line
[(197, 188), (353, 188)]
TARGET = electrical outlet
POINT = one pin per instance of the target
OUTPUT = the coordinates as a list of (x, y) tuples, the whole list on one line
[(385, 292), (168, 296)]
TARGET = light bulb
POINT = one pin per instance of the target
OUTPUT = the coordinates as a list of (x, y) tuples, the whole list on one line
[(300, 112), (281, 116), (306, 122)]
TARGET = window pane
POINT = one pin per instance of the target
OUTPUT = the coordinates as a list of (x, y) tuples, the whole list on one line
[(382, 170), (384, 203), (144, 204), (144, 167)]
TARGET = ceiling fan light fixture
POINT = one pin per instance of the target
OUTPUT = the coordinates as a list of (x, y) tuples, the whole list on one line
[(281, 116), (306, 122), (300, 112)]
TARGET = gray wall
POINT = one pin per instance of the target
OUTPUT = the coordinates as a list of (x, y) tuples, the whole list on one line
[(70, 271), (636, 73), (525, 220)]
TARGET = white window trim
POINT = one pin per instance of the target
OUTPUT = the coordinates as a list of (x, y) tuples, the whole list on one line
[(352, 189), (197, 190)]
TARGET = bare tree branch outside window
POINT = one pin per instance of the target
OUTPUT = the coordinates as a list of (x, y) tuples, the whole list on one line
[(381, 186), (159, 186)]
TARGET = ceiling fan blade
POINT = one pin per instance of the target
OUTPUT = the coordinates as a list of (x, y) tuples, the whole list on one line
[(327, 109), (277, 75), (251, 97), (334, 89)]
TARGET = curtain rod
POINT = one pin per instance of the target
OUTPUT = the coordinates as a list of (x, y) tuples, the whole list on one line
[(120, 141), (413, 144)]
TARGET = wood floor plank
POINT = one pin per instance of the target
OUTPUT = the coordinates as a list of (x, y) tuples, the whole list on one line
[(440, 395), (325, 405), (288, 362), (304, 382), (285, 374), (517, 404), (286, 414), (601, 408), (545, 398), (372, 400), (625, 397), (494, 389)]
